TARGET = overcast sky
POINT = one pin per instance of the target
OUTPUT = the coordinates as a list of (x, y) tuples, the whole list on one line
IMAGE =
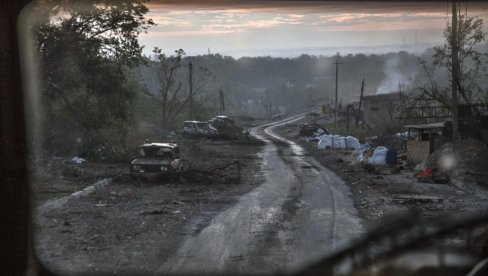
[(249, 28)]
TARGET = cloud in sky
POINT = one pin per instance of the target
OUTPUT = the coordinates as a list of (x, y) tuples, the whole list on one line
[(239, 27)]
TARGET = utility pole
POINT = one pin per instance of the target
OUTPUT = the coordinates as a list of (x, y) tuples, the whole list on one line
[(360, 103), (190, 66), (455, 75), (336, 86), (222, 102)]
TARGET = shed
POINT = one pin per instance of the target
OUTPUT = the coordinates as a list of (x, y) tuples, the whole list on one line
[(429, 138), (381, 109)]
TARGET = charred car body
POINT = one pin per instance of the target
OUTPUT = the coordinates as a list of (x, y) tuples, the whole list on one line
[(157, 159), (227, 128), (198, 129)]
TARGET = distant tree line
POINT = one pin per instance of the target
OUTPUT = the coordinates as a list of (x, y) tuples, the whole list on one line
[(264, 86), (101, 96)]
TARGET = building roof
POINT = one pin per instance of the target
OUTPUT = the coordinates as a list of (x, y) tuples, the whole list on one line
[(427, 126), (171, 145)]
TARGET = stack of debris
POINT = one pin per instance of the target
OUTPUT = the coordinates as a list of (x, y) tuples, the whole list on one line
[(464, 162)]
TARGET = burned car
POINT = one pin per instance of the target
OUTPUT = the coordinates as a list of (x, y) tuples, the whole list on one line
[(157, 159), (227, 128), (198, 129)]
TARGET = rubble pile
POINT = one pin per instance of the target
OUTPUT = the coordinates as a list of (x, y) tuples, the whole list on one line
[(466, 161)]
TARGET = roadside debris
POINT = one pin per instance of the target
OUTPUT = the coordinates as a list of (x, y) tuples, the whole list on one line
[(417, 199), (78, 160), (312, 130), (466, 161)]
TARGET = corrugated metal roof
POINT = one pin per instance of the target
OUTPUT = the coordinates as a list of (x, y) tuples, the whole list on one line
[(427, 126)]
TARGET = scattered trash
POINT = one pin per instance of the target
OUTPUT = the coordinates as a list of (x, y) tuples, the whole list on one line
[(357, 154), (420, 166), (371, 140), (308, 129), (321, 131), (413, 199), (406, 134), (78, 160), (426, 172)]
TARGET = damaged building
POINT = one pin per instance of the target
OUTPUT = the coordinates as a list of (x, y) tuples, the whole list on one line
[(381, 108)]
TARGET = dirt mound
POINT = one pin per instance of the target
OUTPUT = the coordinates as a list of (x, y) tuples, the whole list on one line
[(466, 160)]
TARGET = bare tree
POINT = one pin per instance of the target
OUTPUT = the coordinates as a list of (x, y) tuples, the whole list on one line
[(173, 99), (471, 63)]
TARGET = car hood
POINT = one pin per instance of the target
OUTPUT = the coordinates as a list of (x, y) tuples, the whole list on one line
[(144, 161)]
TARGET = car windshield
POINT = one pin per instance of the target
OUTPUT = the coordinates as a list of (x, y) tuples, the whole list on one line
[(156, 152), (298, 132)]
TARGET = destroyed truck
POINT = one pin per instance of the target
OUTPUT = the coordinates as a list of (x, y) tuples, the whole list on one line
[(227, 129), (156, 160)]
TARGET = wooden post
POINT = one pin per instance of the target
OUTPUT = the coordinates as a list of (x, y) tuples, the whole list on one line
[(360, 103), (336, 86), (222, 102)]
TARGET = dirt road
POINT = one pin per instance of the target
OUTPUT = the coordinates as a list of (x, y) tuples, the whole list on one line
[(301, 212), (287, 211)]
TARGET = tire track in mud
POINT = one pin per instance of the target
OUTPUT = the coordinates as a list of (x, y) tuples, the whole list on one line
[(298, 152), (288, 221)]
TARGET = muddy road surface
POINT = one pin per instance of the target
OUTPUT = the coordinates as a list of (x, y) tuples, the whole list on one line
[(300, 213), (288, 211)]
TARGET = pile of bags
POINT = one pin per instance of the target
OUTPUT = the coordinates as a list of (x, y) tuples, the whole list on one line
[(316, 135), (337, 142), (362, 152), (379, 156)]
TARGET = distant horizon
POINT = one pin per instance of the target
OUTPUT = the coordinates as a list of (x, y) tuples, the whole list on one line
[(289, 29), (292, 53)]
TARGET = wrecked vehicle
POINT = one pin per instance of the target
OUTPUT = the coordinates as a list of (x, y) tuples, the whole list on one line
[(310, 128), (227, 128), (198, 129), (156, 160)]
